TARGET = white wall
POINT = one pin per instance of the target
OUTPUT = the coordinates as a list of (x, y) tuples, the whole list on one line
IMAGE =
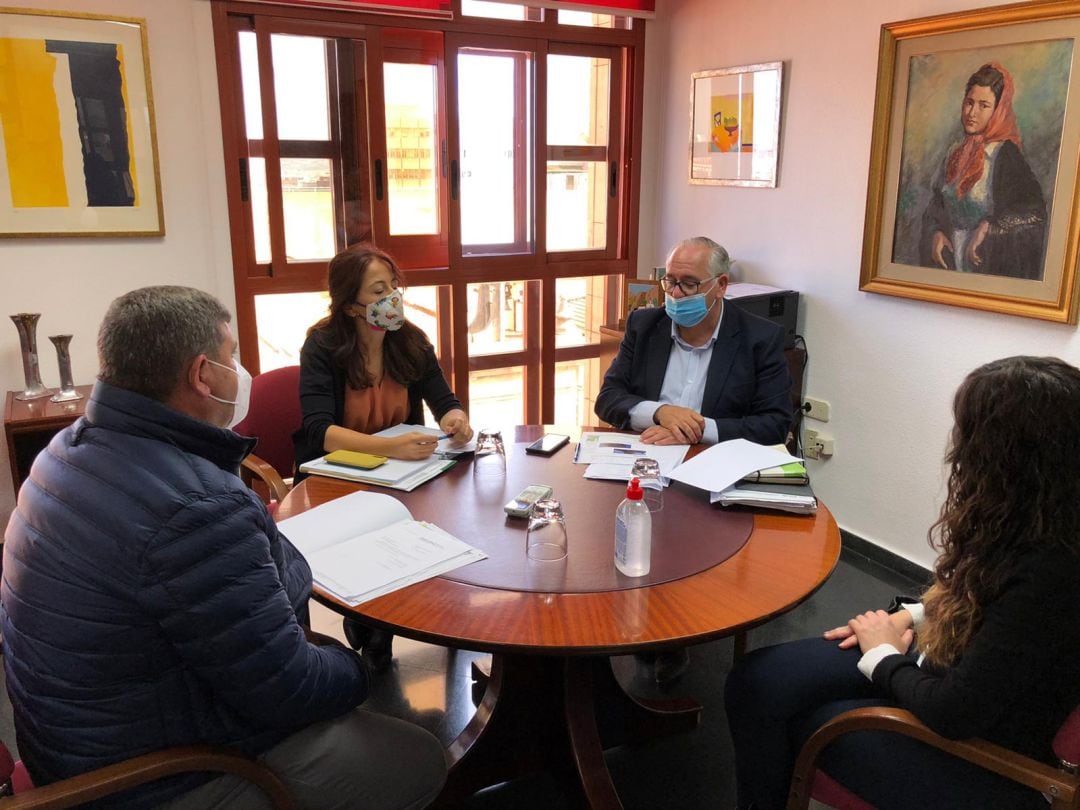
[(888, 366), (72, 281)]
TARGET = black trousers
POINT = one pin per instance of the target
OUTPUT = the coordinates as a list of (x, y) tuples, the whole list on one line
[(778, 696)]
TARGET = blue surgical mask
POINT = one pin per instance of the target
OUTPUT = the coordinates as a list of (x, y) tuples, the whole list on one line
[(687, 311)]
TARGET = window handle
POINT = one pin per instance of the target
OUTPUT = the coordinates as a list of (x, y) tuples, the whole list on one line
[(613, 180), (455, 180), (245, 184), (378, 180), (442, 157)]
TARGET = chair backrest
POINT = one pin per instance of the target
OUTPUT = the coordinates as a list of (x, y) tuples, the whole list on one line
[(274, 416), (1067, 740)]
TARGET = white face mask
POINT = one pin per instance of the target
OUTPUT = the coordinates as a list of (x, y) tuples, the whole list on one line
[(243, 392)]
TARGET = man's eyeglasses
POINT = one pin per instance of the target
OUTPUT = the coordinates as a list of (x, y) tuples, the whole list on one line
[(689, 286)]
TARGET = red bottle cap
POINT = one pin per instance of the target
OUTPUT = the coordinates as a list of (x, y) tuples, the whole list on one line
[(634, 491)]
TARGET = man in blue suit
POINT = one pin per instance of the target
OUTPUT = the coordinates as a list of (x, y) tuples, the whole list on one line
[(697, 370)]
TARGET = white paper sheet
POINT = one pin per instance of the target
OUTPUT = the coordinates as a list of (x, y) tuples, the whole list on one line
[(625, 448), (725, 463), (446, 447)]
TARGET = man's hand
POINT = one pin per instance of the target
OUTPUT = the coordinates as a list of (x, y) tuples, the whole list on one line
[(659, 435), (901, 622), (685, 424)]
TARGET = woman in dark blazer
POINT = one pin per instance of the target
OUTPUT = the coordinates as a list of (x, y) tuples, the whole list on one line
[(993, 649)]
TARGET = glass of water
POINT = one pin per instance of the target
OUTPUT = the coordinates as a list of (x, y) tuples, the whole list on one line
[(647, 471)]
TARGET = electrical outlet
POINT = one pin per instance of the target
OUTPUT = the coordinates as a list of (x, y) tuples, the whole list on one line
[(819, 409), (818, 444)]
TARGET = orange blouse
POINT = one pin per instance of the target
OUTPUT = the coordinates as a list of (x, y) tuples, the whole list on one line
[(377, 407)]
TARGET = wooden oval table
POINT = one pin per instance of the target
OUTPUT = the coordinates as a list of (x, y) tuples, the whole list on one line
[(550, 669)]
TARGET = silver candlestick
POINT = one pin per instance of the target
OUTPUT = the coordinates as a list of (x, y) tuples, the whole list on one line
[(26, 323), (67, 392)]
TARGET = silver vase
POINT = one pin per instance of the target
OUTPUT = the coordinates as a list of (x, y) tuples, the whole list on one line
[(67, 392), (26, 323)]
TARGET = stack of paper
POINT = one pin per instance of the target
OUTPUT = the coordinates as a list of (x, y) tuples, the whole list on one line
[(723, 464), (791, 473), (395, 473), (367, 544), (611, 455), (785, 497)]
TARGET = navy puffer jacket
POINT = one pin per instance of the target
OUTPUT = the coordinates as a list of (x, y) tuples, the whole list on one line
[(149, 601)]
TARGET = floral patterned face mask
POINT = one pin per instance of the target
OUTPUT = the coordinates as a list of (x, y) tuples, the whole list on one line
[(388, 312)]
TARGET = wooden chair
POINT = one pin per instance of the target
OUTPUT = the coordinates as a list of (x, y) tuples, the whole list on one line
[(1061, 784), (131, 773), (273, 417)]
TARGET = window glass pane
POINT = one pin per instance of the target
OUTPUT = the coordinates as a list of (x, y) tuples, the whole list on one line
[(593, 20), (577, 205), (422, 309), (495, 126), (300, 88), (309, 208), (580, 310), (500, 11), (249, 81), (576, 385), (260, 211), (282, 321), (578, 100), (497, 398), (412, 170), (496, 317)]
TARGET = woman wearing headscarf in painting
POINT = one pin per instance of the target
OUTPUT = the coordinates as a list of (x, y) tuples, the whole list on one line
[(987, 213)]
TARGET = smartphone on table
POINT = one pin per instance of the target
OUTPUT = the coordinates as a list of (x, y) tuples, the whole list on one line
[(548, 444)]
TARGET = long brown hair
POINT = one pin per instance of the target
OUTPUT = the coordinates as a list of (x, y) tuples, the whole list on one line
[(1012, 490), (403, 349)]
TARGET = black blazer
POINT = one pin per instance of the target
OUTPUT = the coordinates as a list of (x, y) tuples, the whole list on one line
[(748, 391), (322, 396)]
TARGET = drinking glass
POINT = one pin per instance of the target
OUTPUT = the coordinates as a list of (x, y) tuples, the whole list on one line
[(490, 455), (545, 540), (647, 471)]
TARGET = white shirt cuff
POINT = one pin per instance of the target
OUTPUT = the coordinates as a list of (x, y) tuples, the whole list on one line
[(871, 658), (917, 613), (641, 415), (711, 434)]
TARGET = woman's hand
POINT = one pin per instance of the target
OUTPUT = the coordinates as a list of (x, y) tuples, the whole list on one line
[(901, 624), (456, 424), (412, 446), (937, 248), (976, 242)]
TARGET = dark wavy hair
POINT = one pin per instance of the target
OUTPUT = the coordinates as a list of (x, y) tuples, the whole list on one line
[(987, 76), (403, 349), (1012, 490)]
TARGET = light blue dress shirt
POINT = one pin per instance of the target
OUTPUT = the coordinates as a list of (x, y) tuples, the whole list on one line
[(684, 382)]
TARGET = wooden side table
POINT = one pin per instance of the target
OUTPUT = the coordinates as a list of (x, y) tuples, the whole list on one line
[(29, 425)]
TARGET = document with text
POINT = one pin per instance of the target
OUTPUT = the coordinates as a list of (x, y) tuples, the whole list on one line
[(367, 544)]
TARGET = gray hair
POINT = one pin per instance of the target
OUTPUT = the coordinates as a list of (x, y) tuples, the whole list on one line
[(719, 262), (150, 334)]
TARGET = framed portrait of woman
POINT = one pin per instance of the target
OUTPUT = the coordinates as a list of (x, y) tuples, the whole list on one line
[(972, 195)]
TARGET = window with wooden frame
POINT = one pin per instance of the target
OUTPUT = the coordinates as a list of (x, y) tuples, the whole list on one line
[(495, 158)]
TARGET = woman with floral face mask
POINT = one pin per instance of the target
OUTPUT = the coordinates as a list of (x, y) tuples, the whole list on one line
[(364, 368)]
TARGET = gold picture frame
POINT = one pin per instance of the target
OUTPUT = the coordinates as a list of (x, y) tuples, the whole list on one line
[(735, 125), (639, 293), (78, 146), (972, 198)]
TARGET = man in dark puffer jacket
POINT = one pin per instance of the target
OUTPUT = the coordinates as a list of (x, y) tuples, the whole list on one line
[(149, 601)]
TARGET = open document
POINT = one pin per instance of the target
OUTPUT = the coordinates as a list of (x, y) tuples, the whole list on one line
[(611, 455), (446, 447), (723, 464), (366, 545)]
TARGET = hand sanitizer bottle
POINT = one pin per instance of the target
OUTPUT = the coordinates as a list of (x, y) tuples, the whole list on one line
[(633, 533)]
